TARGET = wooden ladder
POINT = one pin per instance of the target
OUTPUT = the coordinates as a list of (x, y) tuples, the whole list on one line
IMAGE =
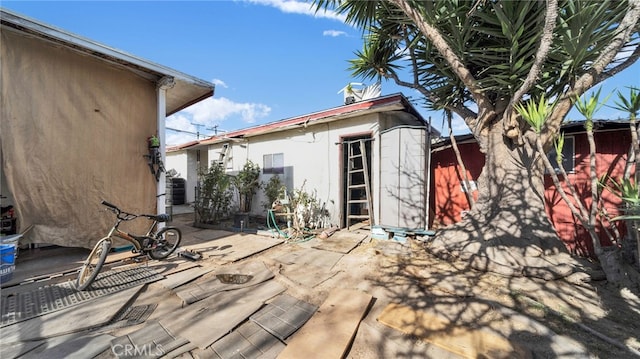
[(358, 180), (224, 156)]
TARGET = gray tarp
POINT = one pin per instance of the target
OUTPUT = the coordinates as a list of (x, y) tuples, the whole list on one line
[(73, 131)]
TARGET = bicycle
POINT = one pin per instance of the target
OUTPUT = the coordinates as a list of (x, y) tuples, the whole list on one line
[(156, 245)]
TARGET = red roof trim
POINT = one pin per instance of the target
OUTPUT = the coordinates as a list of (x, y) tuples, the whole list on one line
[(182, 146), (357, 106)]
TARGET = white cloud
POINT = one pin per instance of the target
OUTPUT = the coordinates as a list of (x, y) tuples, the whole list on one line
[(334, 33), (205, 115), (222, 108), (220, 83), (179, 130), (299, 7)]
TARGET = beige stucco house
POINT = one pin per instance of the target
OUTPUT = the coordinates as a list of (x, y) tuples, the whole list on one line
[(317, 150)]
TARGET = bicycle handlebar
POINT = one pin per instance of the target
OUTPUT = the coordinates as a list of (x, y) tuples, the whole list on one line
[(126, 216), (110, 205)]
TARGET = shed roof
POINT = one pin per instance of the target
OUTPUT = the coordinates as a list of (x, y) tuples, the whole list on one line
[(570, 127), (186, 90), (394, 102)]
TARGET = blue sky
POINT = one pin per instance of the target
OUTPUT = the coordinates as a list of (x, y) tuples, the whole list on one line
[(270, 59)]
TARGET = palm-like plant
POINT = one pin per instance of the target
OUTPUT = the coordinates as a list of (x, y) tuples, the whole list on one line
[(631, 105)]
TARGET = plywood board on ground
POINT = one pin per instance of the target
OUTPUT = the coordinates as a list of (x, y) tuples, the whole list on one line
[(72, 346), (210, 319), (152, 340), (307, 275), (466, 342), (247, 341), (330, 331), (341, 242), (256, 272), (310, 256), (284, 315), (177, 279), (234, 247)]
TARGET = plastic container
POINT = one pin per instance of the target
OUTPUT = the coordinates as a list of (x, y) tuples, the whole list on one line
[(8, 255), (7, 262)]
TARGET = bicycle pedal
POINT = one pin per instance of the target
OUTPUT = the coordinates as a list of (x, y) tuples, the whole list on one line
[(139, 259), (194, 256)]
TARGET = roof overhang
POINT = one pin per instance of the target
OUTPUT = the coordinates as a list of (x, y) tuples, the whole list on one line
[(186, 89)]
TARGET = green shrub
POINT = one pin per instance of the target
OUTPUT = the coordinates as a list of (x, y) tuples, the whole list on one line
[(214, 194)]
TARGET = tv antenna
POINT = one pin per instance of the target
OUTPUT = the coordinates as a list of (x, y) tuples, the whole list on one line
[(198, 125)]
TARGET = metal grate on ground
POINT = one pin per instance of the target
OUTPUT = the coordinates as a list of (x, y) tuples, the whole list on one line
[(22, 306), (130, 316)]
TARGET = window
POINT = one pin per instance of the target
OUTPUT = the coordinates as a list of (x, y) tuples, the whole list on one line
[(568, 156), (273, 163)]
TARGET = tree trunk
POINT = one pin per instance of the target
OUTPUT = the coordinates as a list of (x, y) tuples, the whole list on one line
[(507, 231)]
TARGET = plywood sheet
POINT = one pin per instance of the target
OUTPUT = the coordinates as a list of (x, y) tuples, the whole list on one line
[(330, 331), (152, 340), (341, 242), (90, 314), (177, 279), (248, 341), (284, 316), (72, 346), (210, 319), (235, 247), (208, 286), (466, 342), (310, 256), (307, 275)]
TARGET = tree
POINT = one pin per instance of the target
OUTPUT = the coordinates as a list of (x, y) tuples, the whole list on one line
[(492, 55)]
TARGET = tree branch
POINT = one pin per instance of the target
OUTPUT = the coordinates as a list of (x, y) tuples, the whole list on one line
[(447, 53), (588, 79), (540, 57), (623, 66)]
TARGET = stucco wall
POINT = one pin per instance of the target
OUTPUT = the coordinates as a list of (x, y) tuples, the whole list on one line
[(311, 158)]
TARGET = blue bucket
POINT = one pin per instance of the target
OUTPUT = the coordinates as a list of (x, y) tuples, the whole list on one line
[(7, 262)]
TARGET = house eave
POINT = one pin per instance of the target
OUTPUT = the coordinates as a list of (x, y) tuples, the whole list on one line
[(186, 91)]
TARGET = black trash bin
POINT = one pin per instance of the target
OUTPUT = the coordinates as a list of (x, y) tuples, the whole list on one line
[(178, 191)]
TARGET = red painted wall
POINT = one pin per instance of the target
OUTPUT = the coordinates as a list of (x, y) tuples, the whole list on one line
[(448, 201)]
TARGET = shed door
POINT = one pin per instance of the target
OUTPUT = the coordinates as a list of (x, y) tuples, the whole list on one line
[(403, 178)]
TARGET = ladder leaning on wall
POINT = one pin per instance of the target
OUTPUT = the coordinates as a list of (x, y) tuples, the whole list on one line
[(358, 188)]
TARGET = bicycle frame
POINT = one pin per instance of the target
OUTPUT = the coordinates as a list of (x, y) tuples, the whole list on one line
[(157, 243), (131, 238)]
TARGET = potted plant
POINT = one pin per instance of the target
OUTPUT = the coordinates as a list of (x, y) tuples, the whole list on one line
[(247, 184)]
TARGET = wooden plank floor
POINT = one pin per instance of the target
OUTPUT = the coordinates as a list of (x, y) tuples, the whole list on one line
[(329, 332)]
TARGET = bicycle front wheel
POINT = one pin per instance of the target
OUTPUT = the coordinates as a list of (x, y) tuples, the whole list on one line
[(167, 240), (93, 264)]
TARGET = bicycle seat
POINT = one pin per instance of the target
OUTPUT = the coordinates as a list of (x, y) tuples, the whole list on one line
[(163, 217)]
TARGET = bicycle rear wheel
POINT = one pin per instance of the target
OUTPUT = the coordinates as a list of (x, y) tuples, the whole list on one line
[(167, 240), (93, 264)]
